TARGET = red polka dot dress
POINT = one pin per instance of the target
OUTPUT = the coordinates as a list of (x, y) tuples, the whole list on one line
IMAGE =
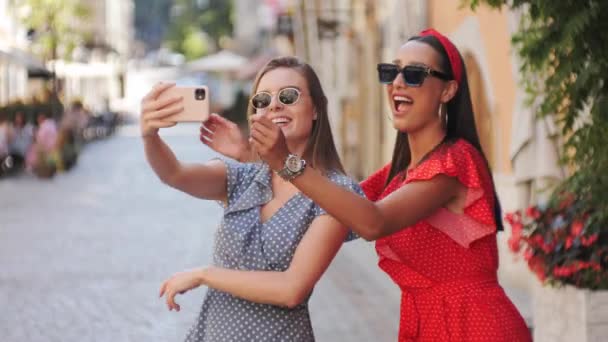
[(446, 264)]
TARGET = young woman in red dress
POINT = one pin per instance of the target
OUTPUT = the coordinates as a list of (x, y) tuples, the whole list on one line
[(432, 210)]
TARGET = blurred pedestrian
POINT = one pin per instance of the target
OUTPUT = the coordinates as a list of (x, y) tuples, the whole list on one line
[(5, 160), (433, 210), (274, 243), (74, 121), (21, 140), (71, 134), (42, 157)]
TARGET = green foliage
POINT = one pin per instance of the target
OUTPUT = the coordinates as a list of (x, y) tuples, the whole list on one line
[(563, 46), (194, 45), (194, 20), (55, 23)]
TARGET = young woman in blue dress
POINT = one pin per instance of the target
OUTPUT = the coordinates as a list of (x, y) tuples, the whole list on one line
[(274, 243)]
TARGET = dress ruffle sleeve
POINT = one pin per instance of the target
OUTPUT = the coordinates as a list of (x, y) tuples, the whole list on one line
[(462, 161), (373, 186)]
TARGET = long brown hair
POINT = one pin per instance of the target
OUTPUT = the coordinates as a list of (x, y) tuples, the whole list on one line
[(460, 123), (320, 151)]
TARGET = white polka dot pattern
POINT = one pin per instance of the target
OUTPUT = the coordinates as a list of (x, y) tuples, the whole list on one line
[(242, 242), (446, 267)]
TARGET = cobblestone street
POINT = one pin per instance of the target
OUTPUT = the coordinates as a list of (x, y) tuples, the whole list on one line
[(82, 255)]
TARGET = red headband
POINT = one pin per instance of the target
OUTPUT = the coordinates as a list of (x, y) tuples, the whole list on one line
[(450, 49)]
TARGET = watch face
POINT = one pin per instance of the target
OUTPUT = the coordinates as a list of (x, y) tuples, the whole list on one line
[(293, 163)]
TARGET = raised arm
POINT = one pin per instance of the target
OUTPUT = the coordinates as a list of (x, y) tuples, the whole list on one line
[(313, 255), (206, 181), (371, 220)]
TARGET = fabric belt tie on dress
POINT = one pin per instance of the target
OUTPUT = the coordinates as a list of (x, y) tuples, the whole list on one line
[(413, 295)]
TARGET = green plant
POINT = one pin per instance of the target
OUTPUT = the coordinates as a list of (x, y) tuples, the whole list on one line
[(56, 28), (197, 27), (563, 48)]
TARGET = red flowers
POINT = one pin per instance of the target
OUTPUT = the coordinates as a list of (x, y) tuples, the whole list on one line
[(588, 241), (577, 228), (533, 212), (562, 243)]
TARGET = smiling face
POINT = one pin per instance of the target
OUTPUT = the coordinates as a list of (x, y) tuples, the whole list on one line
[(415, 108), (295, 120)]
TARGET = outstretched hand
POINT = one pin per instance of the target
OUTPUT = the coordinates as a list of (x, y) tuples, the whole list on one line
[(268, 141), (179, 283), (225, 137)]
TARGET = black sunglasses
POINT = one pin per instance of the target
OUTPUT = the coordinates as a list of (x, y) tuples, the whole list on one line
[(287, 96), (413, 75)]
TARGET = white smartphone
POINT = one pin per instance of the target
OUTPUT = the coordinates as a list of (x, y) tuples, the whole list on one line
[(195, 101)]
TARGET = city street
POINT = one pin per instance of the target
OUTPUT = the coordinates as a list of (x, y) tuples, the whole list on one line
[(84, 251), (82, 255)]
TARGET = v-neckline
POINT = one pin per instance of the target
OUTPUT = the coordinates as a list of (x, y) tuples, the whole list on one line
[(271, 217), (271, 189), (427, 155)]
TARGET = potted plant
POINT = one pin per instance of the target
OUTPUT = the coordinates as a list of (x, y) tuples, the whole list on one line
[(565, 244)]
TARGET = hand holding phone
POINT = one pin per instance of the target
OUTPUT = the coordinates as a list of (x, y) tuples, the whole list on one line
[(195, 103)]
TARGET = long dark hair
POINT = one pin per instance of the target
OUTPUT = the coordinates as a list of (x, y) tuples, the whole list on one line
[(321, 150), (460, 123)]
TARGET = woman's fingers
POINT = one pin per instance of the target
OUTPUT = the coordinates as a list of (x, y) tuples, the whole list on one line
[(214, 118), (208, 128), (153, 105), (207, 132), (267, 128), (157, 90), (162, 289), (261, 137), (259, 143), (168, 290), (206, 137), (173, 304), (161, 124), (255, 144), (268, 132), (221, 121), (263, 120), (169, 299), (206, 141), (266, 137), (159, 114)]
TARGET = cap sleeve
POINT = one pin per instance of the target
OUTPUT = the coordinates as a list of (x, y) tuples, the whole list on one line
[(462, 161), (374, 184), (239, 177)]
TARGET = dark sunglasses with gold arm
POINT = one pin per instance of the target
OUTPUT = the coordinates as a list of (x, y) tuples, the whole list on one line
[(413, 75)]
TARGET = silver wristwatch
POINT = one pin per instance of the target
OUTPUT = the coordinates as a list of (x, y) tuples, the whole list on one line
[(294, 166)]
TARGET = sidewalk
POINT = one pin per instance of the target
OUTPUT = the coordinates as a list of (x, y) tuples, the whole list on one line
[(355, 300), (82, 255)]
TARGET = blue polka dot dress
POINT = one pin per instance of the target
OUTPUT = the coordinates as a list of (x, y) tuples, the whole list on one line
[(243, 242)]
